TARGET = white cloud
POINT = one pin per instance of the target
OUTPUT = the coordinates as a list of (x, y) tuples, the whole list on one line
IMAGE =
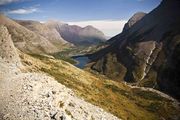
[(3, 2), (23, 11), (108, 27)]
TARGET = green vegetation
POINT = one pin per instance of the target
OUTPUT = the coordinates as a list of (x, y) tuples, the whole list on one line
[(65, 58), (147, 95), (57, 56), (116, 98)]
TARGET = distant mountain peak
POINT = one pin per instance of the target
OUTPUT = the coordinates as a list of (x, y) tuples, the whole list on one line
[(89, 26), (135, 18)]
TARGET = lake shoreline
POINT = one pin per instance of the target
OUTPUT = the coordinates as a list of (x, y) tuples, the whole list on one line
[(81, 60)]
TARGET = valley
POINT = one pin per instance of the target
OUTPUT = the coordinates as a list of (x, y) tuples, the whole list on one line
[(53, 70)]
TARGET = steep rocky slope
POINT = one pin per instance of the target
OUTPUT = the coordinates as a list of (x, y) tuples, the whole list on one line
[(48, 32), (27, 40), (28, 96), (7, 50), (147, 52), (78, 35)]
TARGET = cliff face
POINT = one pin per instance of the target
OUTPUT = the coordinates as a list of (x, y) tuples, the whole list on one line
[(146, 53)]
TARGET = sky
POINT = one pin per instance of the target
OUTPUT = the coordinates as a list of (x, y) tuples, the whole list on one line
[(107, 15)]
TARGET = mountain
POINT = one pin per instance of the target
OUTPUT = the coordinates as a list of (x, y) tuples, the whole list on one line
[(26, 40), (50, 34), (146, 53), (77, 35)]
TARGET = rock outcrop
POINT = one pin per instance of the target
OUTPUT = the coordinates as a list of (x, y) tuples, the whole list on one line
[(146, 53)]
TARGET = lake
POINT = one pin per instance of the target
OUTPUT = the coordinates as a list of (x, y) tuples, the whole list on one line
[(82, 61)]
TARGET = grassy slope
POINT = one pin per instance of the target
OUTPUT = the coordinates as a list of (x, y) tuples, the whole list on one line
[(117, 98)]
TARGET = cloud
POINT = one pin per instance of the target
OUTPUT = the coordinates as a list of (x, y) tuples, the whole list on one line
[(108, 27), (23, 11), (3, 2)]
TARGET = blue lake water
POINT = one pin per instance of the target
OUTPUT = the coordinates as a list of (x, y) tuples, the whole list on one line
[(82, 61)]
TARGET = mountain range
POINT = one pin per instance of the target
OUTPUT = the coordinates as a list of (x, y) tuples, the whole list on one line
[(77, 35), (49, 33), (50, 37)]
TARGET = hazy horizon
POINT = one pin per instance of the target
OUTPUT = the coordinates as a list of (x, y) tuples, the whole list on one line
[(107, 16)]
